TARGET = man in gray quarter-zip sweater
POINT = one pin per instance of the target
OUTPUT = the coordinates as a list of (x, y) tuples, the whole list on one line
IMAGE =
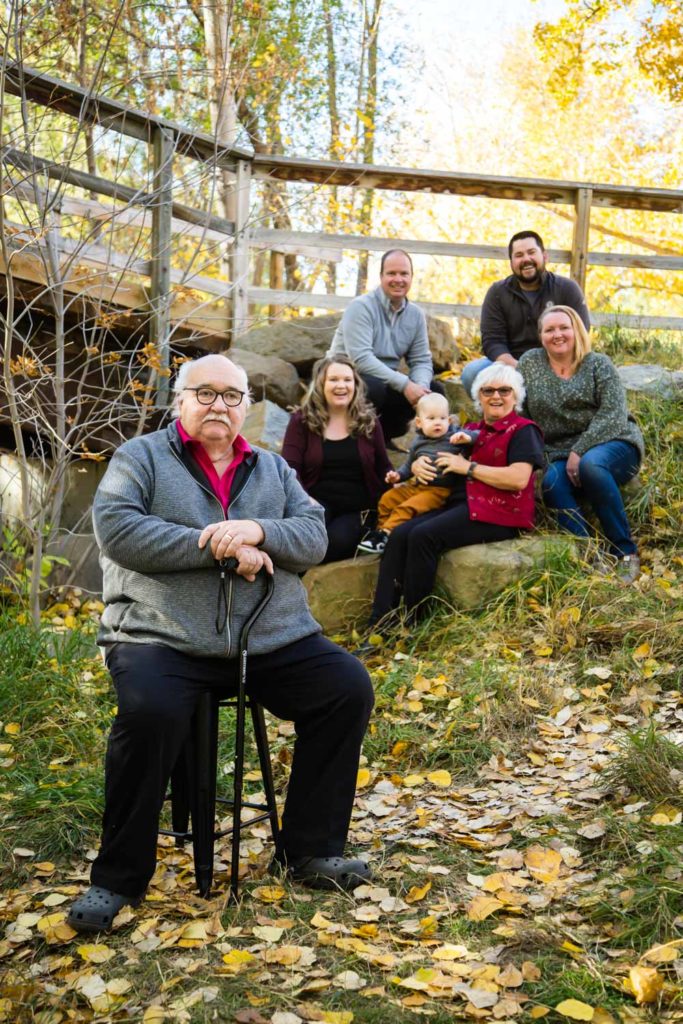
[(172, 507), (380, 329)]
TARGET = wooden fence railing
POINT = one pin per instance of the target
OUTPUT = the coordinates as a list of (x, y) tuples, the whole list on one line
[(220, 305)]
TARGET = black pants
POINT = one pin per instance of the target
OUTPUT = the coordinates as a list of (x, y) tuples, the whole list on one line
[(345, 532), (411, 557), (324, 690), (394, 410)]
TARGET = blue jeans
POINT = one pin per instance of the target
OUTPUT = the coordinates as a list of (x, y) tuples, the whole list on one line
[(602, 470), (470, 371)]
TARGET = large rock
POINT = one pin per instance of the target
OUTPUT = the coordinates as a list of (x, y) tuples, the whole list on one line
[(304, 339), (299, 341), (82, 479), (265, 425), (442, 344), (473, 575), (652, 380), (459, 401), (340, 593), (269, 377)]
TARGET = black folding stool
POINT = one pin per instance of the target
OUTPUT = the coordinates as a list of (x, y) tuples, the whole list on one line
[(193, 782)]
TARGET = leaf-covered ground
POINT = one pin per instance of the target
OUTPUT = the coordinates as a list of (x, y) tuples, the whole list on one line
[(520, 798), (527, 852)]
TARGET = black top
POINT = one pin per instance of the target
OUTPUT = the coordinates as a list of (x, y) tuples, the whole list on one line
[(341, 486), (526, 445)]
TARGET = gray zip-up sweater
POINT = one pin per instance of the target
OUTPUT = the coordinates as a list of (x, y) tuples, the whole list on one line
[(376, 338), (159, 587)]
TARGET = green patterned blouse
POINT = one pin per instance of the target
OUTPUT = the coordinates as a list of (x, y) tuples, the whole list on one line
[(577, 413)]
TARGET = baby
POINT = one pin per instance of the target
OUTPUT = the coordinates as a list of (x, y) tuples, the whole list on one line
[(407, 500)]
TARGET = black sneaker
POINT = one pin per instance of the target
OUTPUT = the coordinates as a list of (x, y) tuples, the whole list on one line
[(373, 543)]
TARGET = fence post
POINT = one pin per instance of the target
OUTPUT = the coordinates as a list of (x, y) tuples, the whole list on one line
[(582, 225), (239, 263), (160, 259)]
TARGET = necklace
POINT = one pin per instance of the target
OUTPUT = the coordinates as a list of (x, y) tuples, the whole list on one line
[(221, 457)]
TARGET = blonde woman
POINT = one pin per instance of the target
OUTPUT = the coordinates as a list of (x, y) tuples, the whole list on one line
[(592, 444), (336, 446)]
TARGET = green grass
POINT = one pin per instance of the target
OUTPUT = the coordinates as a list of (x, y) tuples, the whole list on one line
[(649, 765), (54, 689), (624, 345)]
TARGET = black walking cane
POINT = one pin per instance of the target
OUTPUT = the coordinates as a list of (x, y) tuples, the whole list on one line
[(193, 783), (264, 757)]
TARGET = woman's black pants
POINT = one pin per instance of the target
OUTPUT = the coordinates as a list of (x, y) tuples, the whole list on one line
[(324, 690), (345, 531), (411, 556)]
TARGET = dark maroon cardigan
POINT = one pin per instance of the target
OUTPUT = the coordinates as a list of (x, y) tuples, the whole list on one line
[(303, 450)]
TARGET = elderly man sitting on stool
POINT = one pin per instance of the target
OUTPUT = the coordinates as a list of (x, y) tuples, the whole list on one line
[(170, 507)]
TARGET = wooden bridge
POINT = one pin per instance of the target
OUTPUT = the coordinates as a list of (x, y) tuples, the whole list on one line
[(77, 216)]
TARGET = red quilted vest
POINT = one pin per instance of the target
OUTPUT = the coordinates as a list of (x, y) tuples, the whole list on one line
[(489, 504)]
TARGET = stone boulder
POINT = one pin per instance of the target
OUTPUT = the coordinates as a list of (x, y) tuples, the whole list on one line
[(442, 344), (652, 380), (340, 593), (304, 339), (265, 425), (459, 401), (269, 377), (299, 341), (472, 576)]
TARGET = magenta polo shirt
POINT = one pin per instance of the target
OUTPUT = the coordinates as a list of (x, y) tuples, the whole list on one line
[(220, 485)]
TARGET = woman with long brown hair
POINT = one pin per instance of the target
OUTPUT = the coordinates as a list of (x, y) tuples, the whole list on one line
[(335, 444)]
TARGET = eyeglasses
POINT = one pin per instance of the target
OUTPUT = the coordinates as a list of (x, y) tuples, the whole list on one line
[(490, 392), (207, 396)]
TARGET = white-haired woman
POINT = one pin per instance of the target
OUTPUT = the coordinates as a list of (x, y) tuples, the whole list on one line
[(492, 496)]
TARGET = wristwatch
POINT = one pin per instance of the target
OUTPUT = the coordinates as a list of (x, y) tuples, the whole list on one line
[(470, 470)]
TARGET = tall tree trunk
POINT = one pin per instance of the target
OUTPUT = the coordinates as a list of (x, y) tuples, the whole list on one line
[(371, 29), (217, 16), (217, 19), (333, 147)]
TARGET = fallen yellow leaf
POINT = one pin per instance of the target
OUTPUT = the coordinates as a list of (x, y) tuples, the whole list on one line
[(543, 864), (645, 983), (575, 1009), (539, 1011), (663, 953), (363, 778), (269, 893), (153, 1014), (13, 728), (96, 953), (440, 778), (285, 955), (237, 959), (603, 1016), (449, 951), (418, 892), (482, 907)]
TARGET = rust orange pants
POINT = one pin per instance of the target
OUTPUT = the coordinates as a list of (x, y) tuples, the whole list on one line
[(405, 501)]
